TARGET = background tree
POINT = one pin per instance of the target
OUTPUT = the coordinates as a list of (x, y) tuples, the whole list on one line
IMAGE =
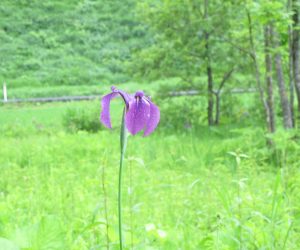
[(296, 48), (190, 41)]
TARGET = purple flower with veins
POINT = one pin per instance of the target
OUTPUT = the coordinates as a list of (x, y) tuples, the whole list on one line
[(140, 113)]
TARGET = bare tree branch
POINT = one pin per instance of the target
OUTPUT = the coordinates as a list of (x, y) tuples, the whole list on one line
[(225, 78), (249, 53)]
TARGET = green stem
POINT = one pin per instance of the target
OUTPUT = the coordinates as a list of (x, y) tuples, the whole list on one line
[(105, 204), (130, 202), (123, 141)]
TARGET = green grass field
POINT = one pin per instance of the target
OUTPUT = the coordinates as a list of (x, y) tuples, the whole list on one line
[(229, 185), (208, 189)]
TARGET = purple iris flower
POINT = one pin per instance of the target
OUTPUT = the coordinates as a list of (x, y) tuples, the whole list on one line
[(140, 113)]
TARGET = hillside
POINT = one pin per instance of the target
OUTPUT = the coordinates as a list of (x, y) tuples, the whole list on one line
[(68, 42)]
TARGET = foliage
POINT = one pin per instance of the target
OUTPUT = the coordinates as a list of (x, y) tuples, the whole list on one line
[(189, 186), (178, 48), (67, 42), (207, 39), (186, 190), (76, 119), (182, 113)]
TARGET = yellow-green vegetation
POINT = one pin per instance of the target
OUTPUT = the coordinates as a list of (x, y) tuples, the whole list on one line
[(217, 188), (67, 42), (221, 171)]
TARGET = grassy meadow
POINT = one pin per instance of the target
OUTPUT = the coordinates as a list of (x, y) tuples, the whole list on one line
[(217, 188), (221, 171)]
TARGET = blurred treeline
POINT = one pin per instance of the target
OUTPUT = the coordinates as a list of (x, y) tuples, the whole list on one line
[(69, 42), (212, 46)]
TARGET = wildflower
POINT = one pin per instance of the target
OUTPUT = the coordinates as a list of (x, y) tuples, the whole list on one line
[(140, 112)]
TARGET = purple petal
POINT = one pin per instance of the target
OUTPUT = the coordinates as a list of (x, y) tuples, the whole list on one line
[(153, 119), (105, 113), (126, 97), (137, 115)]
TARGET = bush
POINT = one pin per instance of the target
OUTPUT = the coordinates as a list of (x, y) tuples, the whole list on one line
[(182, 113), (80, 118)]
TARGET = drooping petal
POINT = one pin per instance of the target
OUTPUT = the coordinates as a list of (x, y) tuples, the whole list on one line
[(126, 97), (105, 112), (137, 115), (153, 119)]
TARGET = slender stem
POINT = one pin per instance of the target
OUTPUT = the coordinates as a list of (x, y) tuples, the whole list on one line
[(123, 141), (237, 172), (130, 203), (120, 204), (105, 205)]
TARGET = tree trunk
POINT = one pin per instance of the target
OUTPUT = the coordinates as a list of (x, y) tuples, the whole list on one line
[(291, 76), (285, 106), (269, 79), (296, 48), (210, 107), (218, 95), (257, 73), (218, 105), (291, 66)]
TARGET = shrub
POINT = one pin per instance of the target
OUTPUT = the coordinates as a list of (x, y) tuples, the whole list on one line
[(182, 113), (81, 118)]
